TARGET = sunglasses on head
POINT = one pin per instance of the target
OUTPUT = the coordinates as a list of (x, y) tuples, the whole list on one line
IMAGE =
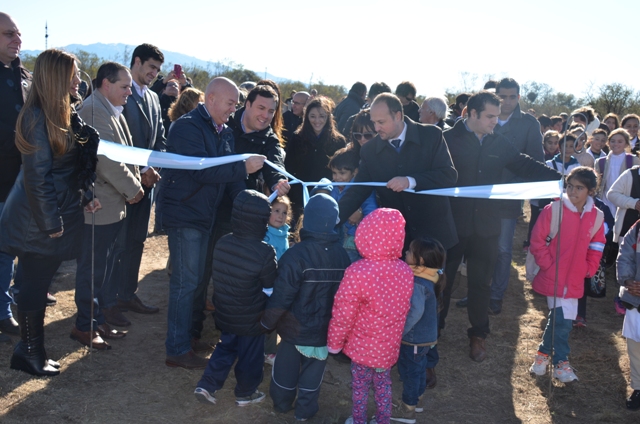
[(367, 136)]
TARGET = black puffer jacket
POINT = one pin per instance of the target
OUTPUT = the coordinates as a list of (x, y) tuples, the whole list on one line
[(242, 266), (309, 275)]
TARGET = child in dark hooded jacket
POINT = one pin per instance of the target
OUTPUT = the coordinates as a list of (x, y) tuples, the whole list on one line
[(309, 274), (243, 266)]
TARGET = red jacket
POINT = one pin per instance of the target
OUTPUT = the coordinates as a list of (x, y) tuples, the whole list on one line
[(579, 252), (371, 305)]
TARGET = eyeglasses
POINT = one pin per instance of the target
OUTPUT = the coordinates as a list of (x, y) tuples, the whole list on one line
[(367, 136)]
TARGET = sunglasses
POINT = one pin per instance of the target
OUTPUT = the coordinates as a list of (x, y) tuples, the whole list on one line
[(367, 136)]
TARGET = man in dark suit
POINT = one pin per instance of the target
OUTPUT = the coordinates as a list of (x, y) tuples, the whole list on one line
[(144, 118), (406, 155), (481, 156)]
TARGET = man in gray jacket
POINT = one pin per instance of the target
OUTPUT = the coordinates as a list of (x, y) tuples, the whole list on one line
[(116, 183)]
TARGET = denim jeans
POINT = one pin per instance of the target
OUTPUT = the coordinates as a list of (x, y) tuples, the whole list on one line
[(105, 238), (188, 250), (249, 350), (503, 264), (6, 274), (433, 357), (412, 366), (560, 338)]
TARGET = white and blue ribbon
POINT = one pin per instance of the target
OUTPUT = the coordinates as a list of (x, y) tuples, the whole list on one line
[(144, 157)]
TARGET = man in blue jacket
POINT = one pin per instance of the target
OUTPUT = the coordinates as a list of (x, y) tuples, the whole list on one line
[(189, 201)]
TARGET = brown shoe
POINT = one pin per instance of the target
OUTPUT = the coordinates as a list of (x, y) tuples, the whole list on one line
[(189, 360), (114, 316), (85, 338), (199, 346), (106, 332), (478, 352), (136, 305), (432, 380)]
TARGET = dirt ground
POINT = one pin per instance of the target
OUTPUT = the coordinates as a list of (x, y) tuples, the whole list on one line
[(131, 384)]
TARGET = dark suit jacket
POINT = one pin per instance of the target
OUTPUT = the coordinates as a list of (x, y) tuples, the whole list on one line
[(145, 124), (425, 157), (483, 165)]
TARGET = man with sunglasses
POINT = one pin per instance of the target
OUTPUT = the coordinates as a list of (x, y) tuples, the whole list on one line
[(293, 118), (406, 92)]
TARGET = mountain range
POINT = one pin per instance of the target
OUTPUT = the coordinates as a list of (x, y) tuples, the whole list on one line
[(118, 51)]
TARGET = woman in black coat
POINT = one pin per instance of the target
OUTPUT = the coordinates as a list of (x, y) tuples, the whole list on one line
[(43, 218), (315, 141)]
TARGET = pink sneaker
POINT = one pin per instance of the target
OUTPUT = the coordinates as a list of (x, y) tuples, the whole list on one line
[(620, 309)]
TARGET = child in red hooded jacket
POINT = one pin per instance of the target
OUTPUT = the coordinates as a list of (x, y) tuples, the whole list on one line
[(370, 310), (580, 252)]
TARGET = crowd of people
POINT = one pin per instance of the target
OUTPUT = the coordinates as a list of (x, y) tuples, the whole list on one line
[(361, 273)]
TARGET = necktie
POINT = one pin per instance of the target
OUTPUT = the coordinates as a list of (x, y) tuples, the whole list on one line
[(396, 144)]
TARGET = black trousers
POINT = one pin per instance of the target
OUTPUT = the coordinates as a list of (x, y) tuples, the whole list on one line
[(33, 276), (481, 254), (295, 373)]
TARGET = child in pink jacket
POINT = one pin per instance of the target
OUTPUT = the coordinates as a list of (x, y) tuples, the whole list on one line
[(580, 252), (370, 310)]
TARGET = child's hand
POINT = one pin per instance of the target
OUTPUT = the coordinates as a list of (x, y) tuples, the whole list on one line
[(356, 217)]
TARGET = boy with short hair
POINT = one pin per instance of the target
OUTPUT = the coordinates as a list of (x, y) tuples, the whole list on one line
[(344, 166), (243, 265), (598, 141)]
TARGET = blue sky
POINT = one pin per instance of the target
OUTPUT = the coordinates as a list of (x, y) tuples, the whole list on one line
[(569, 45)]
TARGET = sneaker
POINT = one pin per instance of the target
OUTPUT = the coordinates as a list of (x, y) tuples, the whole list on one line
[(204, 396), (270, 358), (633, 402), (620, 309), (564, 372), (580, 322), (255, 397), (51, 300), (540, 364), (403, 413)]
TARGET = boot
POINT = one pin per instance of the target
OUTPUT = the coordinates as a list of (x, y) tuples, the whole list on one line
[(29, 354)]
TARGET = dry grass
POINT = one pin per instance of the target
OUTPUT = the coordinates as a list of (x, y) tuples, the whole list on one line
[(131, 384)]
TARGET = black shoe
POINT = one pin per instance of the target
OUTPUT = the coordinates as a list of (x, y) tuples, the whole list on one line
[(29, 354), (10, 326), (633, 403), (495, 306), (462, 303)]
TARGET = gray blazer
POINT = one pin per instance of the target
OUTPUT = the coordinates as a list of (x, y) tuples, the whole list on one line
[(145, 123), (115, 182)]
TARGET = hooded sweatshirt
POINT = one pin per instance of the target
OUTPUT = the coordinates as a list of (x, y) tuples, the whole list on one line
[(372, 302)]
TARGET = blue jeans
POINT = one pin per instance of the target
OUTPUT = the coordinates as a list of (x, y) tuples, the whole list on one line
[(412, 366), (6, 274), (433, 357), (249, 350), (503, 264), (188, 250), (105, 238), (560, 337)]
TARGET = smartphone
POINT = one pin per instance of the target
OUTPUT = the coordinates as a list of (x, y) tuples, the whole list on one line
[(177, 69)]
